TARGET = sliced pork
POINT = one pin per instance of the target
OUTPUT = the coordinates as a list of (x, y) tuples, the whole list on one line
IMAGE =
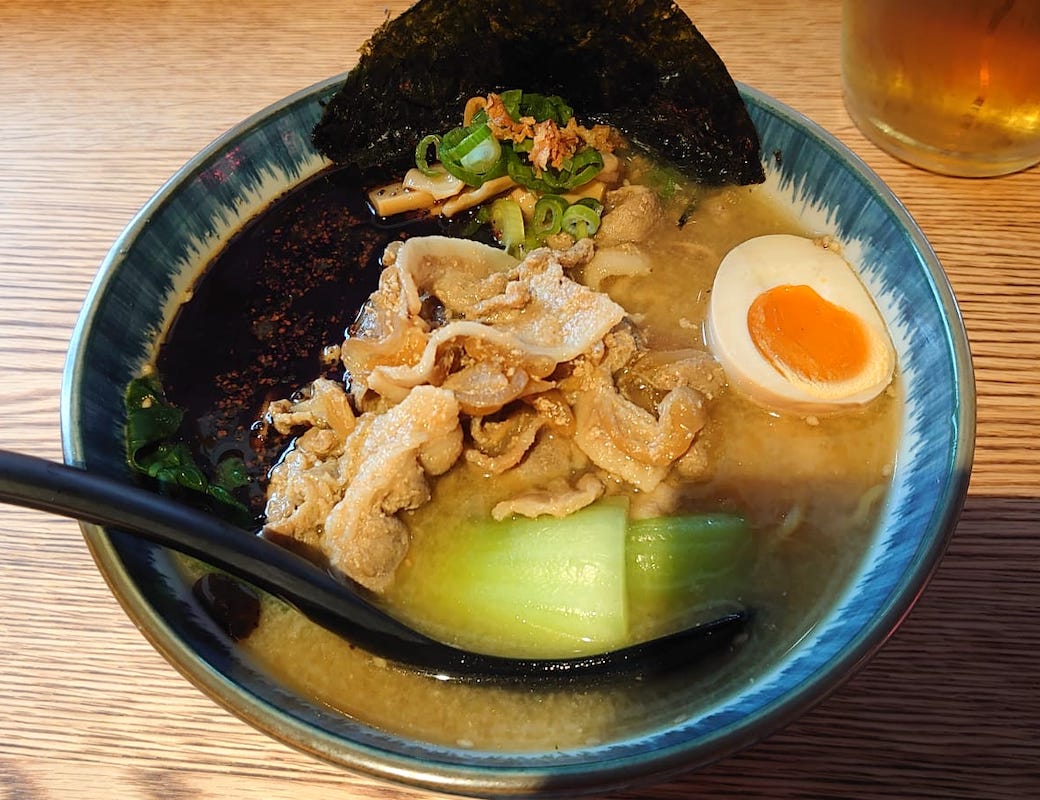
[(344, 500), (538, 379)]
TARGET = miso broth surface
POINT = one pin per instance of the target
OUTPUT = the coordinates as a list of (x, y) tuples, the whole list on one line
[(290, 284)]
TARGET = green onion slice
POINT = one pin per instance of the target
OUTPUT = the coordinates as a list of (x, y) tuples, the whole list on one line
[(543, 107), (582, 168), (484, 157), (539, 106), (585, 165), (507, 223), (581, 220), (511, 100), (422, 151), (472, 154), (590, 202), (548, 215)]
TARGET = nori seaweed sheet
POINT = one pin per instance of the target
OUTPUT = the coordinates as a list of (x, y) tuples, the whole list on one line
[(639, 65)]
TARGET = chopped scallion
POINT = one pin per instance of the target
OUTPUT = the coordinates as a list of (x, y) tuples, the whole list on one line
[(507, 223), (548, 216), (465, 154), (583, 167), (426, 165), (581, 220), (483, 158)]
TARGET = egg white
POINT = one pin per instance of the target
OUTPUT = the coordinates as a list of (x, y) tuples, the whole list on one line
[(763, 263)]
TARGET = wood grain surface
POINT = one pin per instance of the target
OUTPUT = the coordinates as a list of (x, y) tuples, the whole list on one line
[(101, 101)]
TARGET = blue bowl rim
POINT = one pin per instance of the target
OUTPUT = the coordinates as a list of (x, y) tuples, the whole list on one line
[(610, 773)]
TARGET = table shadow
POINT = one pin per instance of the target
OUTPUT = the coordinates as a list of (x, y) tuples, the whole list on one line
[(955, 692)]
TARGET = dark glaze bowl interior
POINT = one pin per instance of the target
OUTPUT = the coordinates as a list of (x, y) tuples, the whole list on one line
[(152, 267)]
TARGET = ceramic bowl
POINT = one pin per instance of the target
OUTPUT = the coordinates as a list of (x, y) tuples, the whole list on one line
[(162, 251)]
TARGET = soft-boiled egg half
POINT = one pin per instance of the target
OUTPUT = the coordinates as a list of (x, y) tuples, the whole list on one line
[(794, 329)]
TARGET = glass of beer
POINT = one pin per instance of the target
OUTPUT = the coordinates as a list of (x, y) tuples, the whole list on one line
[(952, 86)]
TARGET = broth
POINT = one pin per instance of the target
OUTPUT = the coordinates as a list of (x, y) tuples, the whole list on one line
[(292, 281)]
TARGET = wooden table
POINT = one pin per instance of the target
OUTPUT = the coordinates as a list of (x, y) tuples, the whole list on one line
[(102, 100)]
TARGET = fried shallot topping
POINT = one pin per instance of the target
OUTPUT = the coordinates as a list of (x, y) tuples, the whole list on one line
[(551, 145)]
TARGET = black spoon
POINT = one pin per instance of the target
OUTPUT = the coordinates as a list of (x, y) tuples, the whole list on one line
[(45, 485)]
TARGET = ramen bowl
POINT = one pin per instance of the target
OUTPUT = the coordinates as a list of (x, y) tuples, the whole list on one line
[(154, 264)]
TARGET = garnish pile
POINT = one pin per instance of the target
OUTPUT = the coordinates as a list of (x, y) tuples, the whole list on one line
[(521, 141)]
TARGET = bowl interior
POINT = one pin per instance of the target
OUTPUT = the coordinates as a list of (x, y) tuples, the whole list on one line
[(155, 261)]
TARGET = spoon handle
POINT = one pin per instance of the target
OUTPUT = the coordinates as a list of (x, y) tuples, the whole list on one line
[(48, 486)]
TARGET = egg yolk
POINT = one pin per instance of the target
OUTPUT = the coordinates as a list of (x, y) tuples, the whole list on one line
[(799, 332)]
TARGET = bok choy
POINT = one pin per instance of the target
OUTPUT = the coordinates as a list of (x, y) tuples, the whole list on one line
[(581, 584)]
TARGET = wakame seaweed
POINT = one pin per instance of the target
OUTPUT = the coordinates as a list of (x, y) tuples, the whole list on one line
[(638, 65), (154, 449)]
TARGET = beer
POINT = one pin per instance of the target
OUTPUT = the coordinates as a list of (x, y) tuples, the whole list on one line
[(949, 85)]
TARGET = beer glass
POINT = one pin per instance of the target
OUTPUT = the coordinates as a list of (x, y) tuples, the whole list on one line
[(952, 86)]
